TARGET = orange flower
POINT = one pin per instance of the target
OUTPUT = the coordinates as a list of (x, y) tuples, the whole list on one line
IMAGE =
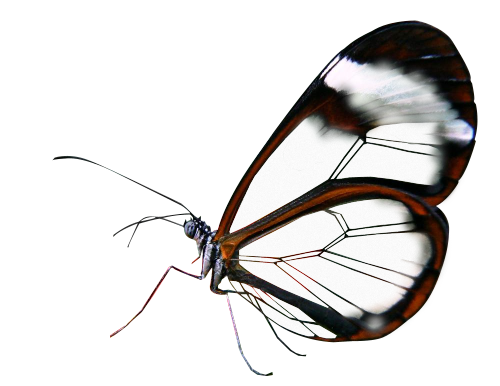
[(208, 316), (137, 330)]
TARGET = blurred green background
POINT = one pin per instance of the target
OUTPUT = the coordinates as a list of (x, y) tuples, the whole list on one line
[(276, 70)]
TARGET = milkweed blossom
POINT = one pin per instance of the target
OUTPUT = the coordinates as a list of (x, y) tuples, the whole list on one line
[(182, 307)]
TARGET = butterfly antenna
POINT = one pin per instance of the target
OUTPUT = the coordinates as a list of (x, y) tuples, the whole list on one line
[(151, 218), (148, 219), (145, 220), (238, 339), (130, 179)]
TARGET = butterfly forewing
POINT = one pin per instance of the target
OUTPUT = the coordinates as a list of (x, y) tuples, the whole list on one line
[(396, 104), (333, 229)]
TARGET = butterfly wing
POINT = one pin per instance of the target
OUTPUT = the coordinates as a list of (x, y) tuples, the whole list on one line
[(391, 119), (343, 262), (356, 277), (395, 107)]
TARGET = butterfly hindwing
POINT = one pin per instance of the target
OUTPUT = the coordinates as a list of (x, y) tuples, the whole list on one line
[(331, 274)]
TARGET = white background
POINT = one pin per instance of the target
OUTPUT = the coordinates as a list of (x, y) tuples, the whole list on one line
[(182, 98)]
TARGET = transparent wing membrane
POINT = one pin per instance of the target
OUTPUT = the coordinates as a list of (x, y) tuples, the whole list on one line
[(333, 231), (361, 259), (304, 160), (396, 104)]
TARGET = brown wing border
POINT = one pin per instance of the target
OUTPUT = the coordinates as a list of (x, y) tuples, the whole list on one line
[(430, 220)]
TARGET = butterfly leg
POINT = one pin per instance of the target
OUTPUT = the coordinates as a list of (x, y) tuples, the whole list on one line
[(199, 277), (238, 339), (214, 285), (194, 260)]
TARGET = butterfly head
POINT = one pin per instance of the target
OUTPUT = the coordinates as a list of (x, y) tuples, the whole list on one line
[(190, 229), (194, 228)]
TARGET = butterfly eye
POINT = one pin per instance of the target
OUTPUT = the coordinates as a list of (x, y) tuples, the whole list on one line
[(190, 229)]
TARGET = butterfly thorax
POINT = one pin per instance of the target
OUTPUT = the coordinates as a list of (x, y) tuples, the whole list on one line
[(208, 250)]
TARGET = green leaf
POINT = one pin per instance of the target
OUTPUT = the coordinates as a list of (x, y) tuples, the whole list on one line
[(441, 320)]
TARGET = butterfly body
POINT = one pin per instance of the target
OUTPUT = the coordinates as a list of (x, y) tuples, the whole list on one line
[(333, 233), (208, 251)]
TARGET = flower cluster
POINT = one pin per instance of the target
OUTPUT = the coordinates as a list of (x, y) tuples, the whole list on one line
[(182, 307)]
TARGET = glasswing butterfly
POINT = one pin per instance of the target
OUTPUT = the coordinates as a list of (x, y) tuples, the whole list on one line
[(333, 232)]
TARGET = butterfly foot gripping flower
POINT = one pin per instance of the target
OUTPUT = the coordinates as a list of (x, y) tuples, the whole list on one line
[(208, 316)]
